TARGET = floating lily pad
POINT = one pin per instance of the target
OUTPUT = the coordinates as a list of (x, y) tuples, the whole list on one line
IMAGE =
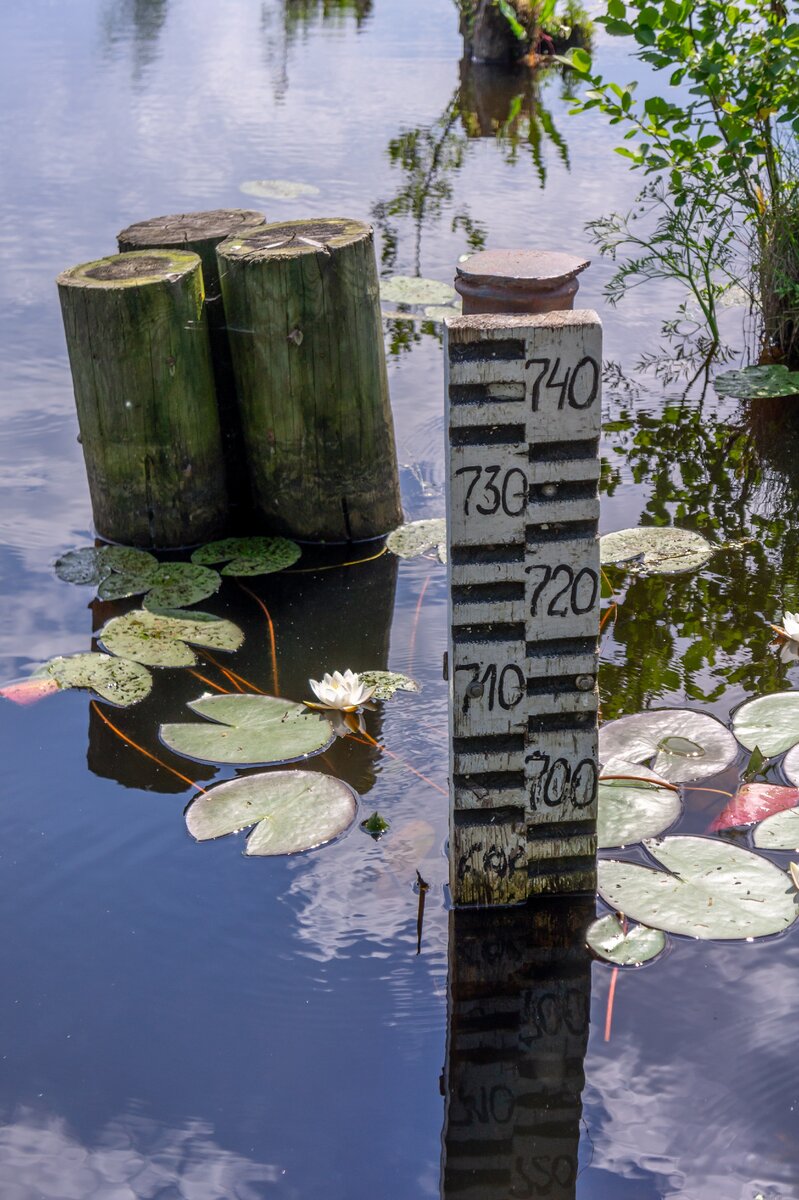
[(117, 680), (92, 564), (790, 765), (418, 536), (441, 312), (277, 189), (168, 585), (630, 810), (291, 811), (754, 802), (250, 555), (780, 832), (249, 729), (679, 744), (655, 549), (159, 639), (770, 722), (386, 683), (758, 383), (410, 289), (712, 890), (607, 939)]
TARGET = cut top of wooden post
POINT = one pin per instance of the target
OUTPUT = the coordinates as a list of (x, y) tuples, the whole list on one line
[(523, 412), (519, 281), (290, 239), (136, 270), (182, 229)]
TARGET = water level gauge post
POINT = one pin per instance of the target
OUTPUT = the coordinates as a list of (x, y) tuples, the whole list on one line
[(523, 414)]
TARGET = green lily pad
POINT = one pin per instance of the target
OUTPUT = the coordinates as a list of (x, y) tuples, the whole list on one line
[(277, 189), (418, 536), (441, 312), (790, 765), (655, 549), (168, 585), (607, 939), (780, 832), (679, 744), (386, 683), (630, 810), (770, 722), (758, 383), (250, 555), (712, 890), (249, 729), (117, 680), (159, 639), (92, 564), (291, 811), (410, 289)]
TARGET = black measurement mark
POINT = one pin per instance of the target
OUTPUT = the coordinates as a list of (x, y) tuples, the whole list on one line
[(579, 386), (506, 687), (576, 592), (508, 493), (554, 783)]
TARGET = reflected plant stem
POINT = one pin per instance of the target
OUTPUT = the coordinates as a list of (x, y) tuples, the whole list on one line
[(210, 682), (611, 997), (142, 750), (234, 677), (423, 887), (272, 642), (415, 626), (366, 739), (355, 562)]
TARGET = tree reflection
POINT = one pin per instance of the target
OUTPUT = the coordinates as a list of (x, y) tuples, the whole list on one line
[(137, 23), (729, 473)]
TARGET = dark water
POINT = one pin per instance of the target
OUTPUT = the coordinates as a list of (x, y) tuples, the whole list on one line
[(177, 1021)]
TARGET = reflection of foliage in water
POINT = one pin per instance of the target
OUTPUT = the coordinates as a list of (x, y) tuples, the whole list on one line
[(137, 22), (491, 102), (299, 14), (284, 21), (726, 473)]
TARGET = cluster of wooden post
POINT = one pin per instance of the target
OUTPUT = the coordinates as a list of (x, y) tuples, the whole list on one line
[(229, 372)]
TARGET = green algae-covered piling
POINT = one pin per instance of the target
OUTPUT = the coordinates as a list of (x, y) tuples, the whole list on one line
[(201, 232), (144, 389), (303, 310)]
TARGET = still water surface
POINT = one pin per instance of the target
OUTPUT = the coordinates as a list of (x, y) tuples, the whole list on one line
[(177, 1021)]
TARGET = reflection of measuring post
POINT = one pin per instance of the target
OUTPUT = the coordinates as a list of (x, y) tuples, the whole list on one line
[(523, 396)]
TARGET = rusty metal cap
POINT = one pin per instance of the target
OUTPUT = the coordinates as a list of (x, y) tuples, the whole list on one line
[(519, 280)]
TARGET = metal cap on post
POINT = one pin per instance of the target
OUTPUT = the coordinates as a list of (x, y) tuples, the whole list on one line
[(519, 281)]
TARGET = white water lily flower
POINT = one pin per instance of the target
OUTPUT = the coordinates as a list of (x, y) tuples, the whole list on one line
[(344, 692), (790, 625)]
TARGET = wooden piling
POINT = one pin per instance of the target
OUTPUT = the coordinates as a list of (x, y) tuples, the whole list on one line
[(303, 313), (141, 370), (523, 402), (201, 233)]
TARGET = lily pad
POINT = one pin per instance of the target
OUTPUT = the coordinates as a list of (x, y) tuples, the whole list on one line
[(441, 312), (92, 564), (386, 683), (418, 536), (758, 383), (630, 810), (294, 810), (754, 802), (770, 722), (709, 889), (168, 585), (790, 766), (250, 555), (607, 939), (249, 729), (277, 189), (117, 680), (411, 289), (780, 832), (679, 744), (655, 549), (159, 639)]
